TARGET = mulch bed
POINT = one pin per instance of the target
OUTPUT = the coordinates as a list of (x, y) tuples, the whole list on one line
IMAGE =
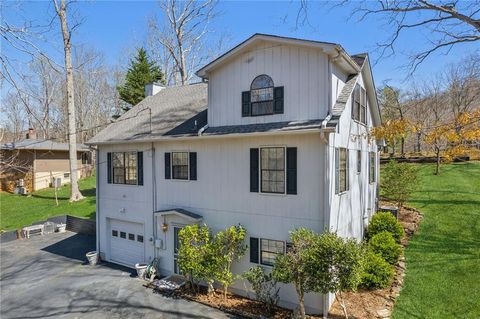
[(361, 304), (379, 303)]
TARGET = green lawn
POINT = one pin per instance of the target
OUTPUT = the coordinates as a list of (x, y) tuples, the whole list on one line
[(17, 210), (443, 258)]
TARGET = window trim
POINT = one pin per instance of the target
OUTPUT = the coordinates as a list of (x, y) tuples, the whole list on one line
[(284, 170), (272, 100), (372, 175), (188, 167), (260, 250), (347, 168), (125, 168), (361, 107)]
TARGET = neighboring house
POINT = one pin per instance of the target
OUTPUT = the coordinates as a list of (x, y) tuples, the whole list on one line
[(37, 162), (274, 139)]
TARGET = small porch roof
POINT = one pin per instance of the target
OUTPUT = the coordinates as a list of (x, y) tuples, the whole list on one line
[(180, 212)]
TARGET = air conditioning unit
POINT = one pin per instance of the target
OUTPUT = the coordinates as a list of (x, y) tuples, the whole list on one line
[(56, 182)]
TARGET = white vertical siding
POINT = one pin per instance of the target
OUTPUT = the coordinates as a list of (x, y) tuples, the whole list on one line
[(302, 72)]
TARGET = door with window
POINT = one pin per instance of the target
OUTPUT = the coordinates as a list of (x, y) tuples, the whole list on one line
[(176, 248)]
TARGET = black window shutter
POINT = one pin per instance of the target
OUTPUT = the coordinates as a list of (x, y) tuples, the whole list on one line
[(278, 96), (254, 169), (254, 250), (167, 166), (193, 166), (291, 170), (109, 168), (140, 168), (245, 103)]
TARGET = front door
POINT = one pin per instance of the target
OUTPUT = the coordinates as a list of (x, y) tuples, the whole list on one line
[(176, 247)]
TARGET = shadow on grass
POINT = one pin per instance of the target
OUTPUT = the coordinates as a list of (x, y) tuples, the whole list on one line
[(89, 193)]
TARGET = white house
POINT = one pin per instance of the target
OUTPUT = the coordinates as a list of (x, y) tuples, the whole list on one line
[(274, 138)]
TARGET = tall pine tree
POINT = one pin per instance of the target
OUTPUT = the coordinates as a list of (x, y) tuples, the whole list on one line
[(141, 72)]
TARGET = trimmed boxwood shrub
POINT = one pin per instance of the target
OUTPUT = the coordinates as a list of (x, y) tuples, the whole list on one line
[(384, 245), (385, 221), (377, 273)]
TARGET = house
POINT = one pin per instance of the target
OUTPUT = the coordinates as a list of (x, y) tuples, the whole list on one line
[(274, 138), (37, 162)]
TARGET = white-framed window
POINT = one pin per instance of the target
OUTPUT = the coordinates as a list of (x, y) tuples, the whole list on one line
[(269, 250), (341, 170), (180, 165), (359, 104), (261, 95), (272, 170), (124, 168), (372, 167)]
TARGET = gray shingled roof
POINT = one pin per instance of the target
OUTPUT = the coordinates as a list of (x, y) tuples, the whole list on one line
[(44, 145), (342, 99), (161, 114), (264, 127), (359, 58)]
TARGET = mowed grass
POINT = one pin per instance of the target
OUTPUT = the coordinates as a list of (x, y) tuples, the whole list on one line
[(18, 210), (443, 258)]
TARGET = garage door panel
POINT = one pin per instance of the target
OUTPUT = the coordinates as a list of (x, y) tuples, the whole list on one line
[(127, 244)]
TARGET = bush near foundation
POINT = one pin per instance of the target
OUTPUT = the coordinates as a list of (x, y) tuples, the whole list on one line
[(385, 221), (384, 244)]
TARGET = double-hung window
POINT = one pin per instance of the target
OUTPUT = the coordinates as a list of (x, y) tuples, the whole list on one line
[(180, 165), (359, 104), (341, 170), (372, 164), (125, 168), (269, 250), (272, 166)]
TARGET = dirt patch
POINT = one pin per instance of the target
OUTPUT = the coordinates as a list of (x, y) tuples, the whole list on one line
[(379, 303)]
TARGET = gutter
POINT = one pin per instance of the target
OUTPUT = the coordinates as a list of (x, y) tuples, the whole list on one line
[(97, 202), (154, 202)]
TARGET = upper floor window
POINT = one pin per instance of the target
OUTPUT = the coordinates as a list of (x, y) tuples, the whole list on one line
[(263, 98), (180, 165), (261, 95), (359, 104), (272, 160), (341, 170), (372, 167)]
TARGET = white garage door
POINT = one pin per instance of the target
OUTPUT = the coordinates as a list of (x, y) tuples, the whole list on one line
[(126, 242)]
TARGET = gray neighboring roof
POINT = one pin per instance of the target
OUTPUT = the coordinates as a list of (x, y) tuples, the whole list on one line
[(44, 145), (172, 111), (264, 127), (181, 212)]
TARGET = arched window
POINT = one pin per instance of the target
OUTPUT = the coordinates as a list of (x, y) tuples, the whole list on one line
[(261, 95)]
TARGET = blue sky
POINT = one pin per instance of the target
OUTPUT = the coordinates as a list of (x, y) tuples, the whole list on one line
[(113, 27)]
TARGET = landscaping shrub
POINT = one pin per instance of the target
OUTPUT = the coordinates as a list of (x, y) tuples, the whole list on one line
[(399, 181), (264, 286), (385, 221), (384, 244), (377, 273)]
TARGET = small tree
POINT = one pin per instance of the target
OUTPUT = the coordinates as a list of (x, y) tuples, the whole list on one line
[(140, 72), (264, 285), (229, 247), (196, 256), (319, 263), (399, 181)]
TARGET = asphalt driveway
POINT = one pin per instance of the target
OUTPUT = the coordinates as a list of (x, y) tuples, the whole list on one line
[(47, 276)]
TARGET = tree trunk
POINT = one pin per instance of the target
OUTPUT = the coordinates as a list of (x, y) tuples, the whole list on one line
[(419, 136), (402, 147), (72, 136), (301, 302), (437, 165), (342, 304)]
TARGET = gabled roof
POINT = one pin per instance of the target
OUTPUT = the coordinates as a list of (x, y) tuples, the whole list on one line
[(272, 127), (43, 145), (340, 56), (172, 111)]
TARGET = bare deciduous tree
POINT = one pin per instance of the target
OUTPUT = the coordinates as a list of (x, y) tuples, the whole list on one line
[(180, 35), (61, 10)]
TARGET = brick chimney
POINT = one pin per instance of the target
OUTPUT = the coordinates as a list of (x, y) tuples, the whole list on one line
[(31, 135)]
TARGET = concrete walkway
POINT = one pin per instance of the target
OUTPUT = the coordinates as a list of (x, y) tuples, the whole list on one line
[(47, 277)]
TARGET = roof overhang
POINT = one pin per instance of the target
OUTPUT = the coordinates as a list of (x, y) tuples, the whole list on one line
[(370, 85), (196, 137), (333, 50), (195, 218)]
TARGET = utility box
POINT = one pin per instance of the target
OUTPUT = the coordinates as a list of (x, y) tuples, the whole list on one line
[(391, 209)]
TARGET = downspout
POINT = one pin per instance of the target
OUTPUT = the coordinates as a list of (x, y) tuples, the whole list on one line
[(200, 132), (97, 202), (154, 202)]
